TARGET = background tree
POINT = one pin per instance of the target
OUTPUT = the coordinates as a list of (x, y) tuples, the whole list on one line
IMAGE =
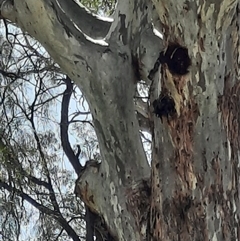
[(193, 190), (37, 184)]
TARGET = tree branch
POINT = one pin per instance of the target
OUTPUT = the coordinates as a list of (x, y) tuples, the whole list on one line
[(46, 21), (73, 159), (56, 215), (90, 24), (67, 22)]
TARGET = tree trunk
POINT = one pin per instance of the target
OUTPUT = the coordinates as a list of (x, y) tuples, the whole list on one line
[(194, 178), (195, 166)]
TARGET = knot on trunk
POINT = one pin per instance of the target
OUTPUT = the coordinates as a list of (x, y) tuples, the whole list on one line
[(164, 106)]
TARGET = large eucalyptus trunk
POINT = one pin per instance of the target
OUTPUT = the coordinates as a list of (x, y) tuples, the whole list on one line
[(192, 193), (195, 166)]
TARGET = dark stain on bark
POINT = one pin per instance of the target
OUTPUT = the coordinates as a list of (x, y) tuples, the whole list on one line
[(204, 160), (136, 68), (26, 6), (123, 29)]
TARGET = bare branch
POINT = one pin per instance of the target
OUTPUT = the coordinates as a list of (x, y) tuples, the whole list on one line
[(64, 127), (56, 215)]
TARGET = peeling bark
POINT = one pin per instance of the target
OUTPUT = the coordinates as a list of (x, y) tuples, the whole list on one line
[(195, 154)]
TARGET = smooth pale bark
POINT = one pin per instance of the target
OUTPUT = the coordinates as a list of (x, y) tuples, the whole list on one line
[(195, 155), (106, 77)]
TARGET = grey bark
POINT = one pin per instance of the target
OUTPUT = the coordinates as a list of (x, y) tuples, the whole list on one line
[(194, 177), (109, 88), (197, 149)]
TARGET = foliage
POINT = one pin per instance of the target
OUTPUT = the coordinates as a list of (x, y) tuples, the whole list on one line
[(102, 7), (36, 181)]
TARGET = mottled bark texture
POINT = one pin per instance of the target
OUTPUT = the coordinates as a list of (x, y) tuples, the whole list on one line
[(194, 181), (195, 167)]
